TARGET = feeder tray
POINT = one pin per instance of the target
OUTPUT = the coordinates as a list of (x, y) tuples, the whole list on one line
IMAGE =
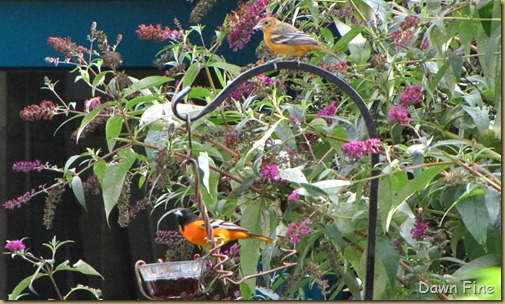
[(169, 280)]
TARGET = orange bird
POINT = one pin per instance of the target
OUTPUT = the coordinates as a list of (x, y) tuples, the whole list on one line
[(287, 40), (193, 230)]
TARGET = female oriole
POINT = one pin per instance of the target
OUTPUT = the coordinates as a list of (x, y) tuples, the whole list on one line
[(193, 230), (287, 40)]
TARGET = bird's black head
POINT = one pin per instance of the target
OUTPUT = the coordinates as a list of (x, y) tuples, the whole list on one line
[(184, 216)]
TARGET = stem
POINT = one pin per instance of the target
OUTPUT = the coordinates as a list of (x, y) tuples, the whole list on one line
[(399, 169), (215, 143), (50, 274)]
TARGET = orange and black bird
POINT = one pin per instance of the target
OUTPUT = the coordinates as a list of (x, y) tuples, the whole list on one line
[(287, 40), (193, 229)]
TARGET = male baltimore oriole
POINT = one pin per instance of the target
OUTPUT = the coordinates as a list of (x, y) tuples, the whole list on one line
[(193, 230), (287, 40)]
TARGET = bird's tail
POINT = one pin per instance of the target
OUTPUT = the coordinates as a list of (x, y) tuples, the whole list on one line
[(261, 238), (323, 49)]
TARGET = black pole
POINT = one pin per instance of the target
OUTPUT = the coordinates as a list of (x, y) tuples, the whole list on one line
[(372, 133)]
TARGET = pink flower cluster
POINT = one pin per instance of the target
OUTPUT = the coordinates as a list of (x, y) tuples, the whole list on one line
[(339, 66), (67, 47), (15, 245), (45, 110), (249, 87), (233, 252), (357, 149), (16, 202), (241, 21), (298, 229), (412, 95), (294, 196), (27, 166), (419, 229), (328, 112), (156, 33), (92, 103), (269, 172), (404, 36), (398, 115)]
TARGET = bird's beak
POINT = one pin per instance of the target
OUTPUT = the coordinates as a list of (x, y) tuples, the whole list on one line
[(258, 27), (176, 211)]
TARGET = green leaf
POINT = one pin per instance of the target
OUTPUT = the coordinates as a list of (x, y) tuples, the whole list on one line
[(310, 190), (335, 236), (490, 277), (457, 235), (157, 139), (112, 130), (231, 68), (294, 175), (98, 80), (468, 192), (259, 143), (203, 164), (323, 188), (390, 198), (245, 291), (190, 75), (343, 43), (246, 183), (468, 271), (486, 11), (389, 257), (80, 266), (435, 80), (382, 290), (99, 170), (90, 116), (16, 292), (69, 162), (492, 200), (97, 293), (158, 116), (198, 93), (113, 178), (352, 283), (480, 117), (36, 274), (249, 249), (139, 100), (79, 191), (456, 61), (145, 83), (57, 244), (475, 216)]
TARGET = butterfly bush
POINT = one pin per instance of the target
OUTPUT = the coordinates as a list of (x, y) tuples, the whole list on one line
[(46, 268), (288, 154)]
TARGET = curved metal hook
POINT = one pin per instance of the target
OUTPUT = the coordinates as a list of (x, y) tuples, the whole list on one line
[(371, 128)]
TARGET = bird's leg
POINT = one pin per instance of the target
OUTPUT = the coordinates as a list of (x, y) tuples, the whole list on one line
[(219, 241), (298, 59), (274, 61)]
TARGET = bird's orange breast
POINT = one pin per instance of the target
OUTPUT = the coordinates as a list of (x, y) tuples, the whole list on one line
[(287, 49), (195, 233)]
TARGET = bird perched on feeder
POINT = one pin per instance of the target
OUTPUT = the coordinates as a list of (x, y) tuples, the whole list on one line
[(193, 229), (287, 40)]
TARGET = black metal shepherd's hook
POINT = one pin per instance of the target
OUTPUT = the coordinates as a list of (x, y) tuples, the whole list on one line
[(372, 133)]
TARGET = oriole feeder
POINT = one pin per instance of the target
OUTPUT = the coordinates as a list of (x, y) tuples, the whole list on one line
[(169, 280)]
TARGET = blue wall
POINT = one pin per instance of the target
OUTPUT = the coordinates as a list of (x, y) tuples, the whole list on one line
[(26, 25)]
